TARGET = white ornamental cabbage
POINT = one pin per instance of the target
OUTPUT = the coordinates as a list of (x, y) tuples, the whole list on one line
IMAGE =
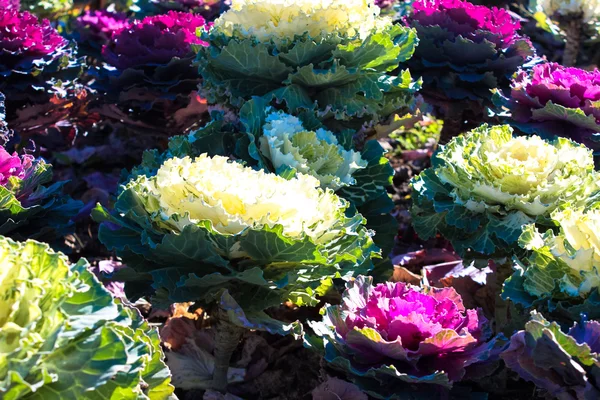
[(286, 143), (282, 20), (486, 185)]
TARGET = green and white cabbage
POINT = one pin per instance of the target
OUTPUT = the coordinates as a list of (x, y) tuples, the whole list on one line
[(486, 185), (333, 59), (207, 229), (63, 336), (288, 145)]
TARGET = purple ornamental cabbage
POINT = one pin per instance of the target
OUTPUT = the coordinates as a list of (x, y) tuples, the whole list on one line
[(150, 81), (565, 365), (553, 100), (10, 4), (154, 40), (465, 51), (38, 74), (396, 330), (95, 28)]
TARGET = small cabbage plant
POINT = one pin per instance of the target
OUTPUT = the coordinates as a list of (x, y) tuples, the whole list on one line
[(552, 100), (236, 240), (64, 336), (149, 83), (565, 364), (485, 186), (561, 275), (409, 339), (28, 209), (332, 59)]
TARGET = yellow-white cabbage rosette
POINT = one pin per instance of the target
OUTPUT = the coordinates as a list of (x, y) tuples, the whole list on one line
[(200, 227), (332, 58), (486, 185), (561, 273)]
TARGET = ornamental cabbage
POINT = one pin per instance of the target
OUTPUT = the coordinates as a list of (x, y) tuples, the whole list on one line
[(209, 9), (465, 51), (38, 73), (93, 29), (286, 143), (401, 335), (483, 187), (561, 276), (27, 208), (64, 336), (150, 79), (553, 100), (330, 58), (563, 364), (197, 228)]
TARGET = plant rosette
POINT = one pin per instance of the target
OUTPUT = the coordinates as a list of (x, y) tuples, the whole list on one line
[(64, 335), (149, 83), (397, 341), (560, 276), (485, 186), (277, 142), (332, 59), (28, 209), (564, 364), (39, 74), (552, 100), (235, 240), (464, 52)]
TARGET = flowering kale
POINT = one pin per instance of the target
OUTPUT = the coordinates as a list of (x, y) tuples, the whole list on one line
[(28, 209), (332, 59), (220, 226), (64, 336), (484, 186), (37, 73), (465, 50), (565, 365), (396, 330), (561, 276), (93, 29), (149, 82), (553, 100)]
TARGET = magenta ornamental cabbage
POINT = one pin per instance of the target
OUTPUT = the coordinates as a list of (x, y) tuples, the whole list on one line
[(13, 165), (38, 74), (465, 51), (553, 100), (150, 82), (154, 40), (96, 27), (417, 335)]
